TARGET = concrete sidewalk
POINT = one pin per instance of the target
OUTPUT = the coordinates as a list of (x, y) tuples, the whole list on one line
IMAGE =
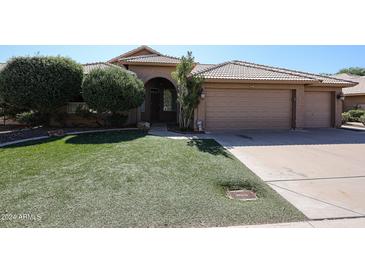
[(353, 126), (337, 223)]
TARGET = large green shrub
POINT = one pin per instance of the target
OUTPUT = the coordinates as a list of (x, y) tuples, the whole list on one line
[(40, 84), (112, 90)]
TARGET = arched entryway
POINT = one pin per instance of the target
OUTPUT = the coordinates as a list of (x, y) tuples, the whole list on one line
[(160, 103)]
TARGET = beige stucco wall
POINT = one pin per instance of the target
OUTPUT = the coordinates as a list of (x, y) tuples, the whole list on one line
[(146, 73), (352, 101), (299, 119)]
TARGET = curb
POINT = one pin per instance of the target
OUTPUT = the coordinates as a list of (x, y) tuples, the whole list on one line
[(353, 128), (66, 134), (100, 130), (23, 141)]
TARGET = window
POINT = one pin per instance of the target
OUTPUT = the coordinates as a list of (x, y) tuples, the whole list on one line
[(169, 100)]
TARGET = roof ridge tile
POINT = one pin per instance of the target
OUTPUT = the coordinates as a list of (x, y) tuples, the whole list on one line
[(95, 63), (213, 67)]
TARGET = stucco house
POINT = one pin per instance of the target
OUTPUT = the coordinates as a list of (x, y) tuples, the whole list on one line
[(354, 97), (238, 94)]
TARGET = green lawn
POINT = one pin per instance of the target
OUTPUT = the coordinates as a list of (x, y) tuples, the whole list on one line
[(129, 179)]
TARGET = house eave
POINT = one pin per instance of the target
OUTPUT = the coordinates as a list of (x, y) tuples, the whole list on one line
[(354, 94), (258, 81), (337, 85), (148, 64)]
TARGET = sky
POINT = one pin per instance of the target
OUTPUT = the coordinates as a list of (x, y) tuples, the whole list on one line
[(316, 59)]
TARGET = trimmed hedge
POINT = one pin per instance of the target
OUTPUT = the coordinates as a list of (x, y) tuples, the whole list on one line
[(353, 115), (112, 90), (362, 119), (40, 84), (345, 117)]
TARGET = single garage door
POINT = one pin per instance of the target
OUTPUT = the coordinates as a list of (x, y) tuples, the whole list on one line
[(317, 109), (248, 109)]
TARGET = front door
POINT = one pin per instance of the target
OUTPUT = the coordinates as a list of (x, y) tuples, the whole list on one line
[(155, 106)]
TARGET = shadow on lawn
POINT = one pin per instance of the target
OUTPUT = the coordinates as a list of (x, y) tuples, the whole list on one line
[(32, 143), (105, 137), (209, 146)]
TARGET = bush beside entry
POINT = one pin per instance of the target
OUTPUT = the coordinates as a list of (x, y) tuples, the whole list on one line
[(40, 84), (112, 91), (189, 90)]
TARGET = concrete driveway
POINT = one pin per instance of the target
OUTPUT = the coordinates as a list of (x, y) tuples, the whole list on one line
[(321, 171)]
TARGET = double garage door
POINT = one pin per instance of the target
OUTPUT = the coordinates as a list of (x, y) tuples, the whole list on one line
[(263, 109)]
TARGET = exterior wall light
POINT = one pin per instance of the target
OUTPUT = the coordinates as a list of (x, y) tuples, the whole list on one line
[(341, 97), (202, 95)]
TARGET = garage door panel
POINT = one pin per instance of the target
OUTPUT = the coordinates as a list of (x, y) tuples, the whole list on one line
[(254, 110), (235, 114), (248, 109), (318, 109)]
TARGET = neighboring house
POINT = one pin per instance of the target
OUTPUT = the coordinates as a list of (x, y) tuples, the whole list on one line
[(354, 96), (101, 65), (237, 94)]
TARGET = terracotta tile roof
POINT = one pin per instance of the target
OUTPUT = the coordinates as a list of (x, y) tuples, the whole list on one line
[(322, 78), (359, 89), (100, 65), (240, 70), (236, 70), (151, 58), (128, 53), (199, 67)]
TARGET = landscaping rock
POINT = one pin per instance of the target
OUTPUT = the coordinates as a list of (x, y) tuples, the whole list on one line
[(144, 125), (58, 132)]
